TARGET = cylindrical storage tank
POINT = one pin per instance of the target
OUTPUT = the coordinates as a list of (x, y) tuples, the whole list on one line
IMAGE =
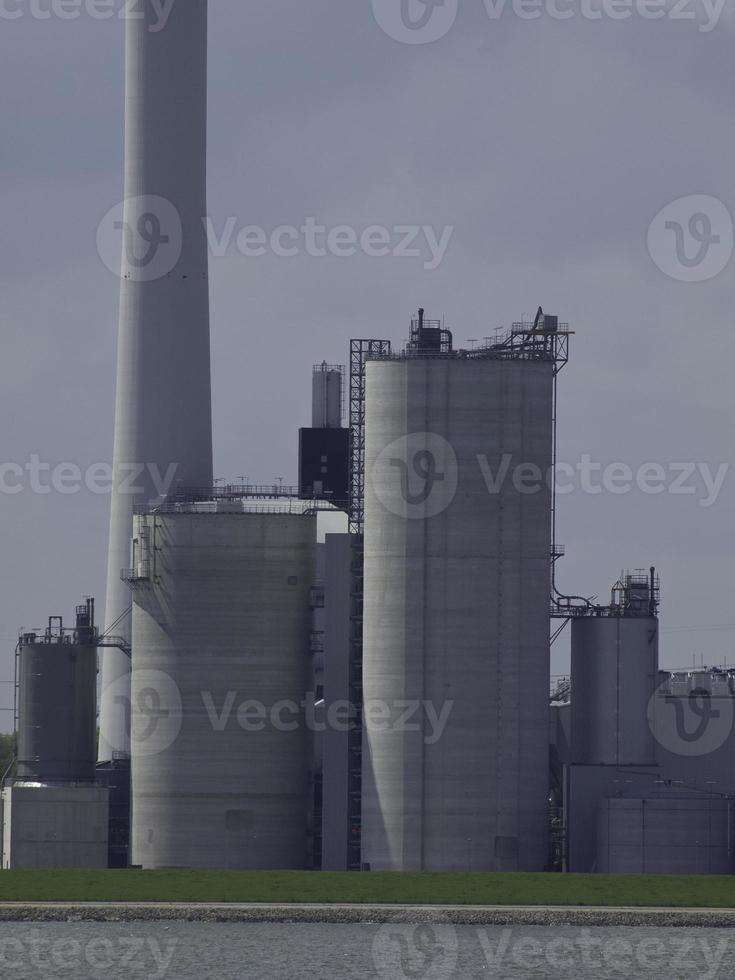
[(57, 711), (614, 673), (220, 747), (456, 614), (326, 398), (675, 834)]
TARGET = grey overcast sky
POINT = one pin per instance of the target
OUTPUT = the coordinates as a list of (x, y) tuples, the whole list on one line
[(548, 145)]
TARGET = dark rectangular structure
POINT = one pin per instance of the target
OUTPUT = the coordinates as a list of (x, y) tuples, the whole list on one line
[(324, 464)]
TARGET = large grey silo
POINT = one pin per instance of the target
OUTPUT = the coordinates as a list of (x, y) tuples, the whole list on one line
[(221, 621), (456, 612), (163, 427)]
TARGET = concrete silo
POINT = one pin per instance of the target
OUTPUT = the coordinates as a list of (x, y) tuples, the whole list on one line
[(614, 676), (459, 446), (614, 671), (220, 749)]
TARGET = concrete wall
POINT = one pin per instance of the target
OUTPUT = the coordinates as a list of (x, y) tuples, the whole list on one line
[(55, 827), (678, 834), (585, 789), (456, 614), (629, 819)]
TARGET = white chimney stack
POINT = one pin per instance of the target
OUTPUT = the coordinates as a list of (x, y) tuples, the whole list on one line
[(163, 422)]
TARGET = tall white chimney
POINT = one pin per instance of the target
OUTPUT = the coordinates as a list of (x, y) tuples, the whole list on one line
[(163, 422)]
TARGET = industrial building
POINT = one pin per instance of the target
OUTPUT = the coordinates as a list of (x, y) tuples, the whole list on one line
[(54, 813), (372, 693), (378, 698), (633, 800)]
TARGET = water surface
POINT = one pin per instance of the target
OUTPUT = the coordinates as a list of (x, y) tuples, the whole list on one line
[(229, 951)]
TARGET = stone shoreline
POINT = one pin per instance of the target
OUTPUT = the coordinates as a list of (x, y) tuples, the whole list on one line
[(380, 914)]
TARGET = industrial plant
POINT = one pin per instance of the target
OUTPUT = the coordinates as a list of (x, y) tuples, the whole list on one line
[(275, 694)]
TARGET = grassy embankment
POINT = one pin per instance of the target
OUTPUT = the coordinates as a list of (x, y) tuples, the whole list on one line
[(408, 888)]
